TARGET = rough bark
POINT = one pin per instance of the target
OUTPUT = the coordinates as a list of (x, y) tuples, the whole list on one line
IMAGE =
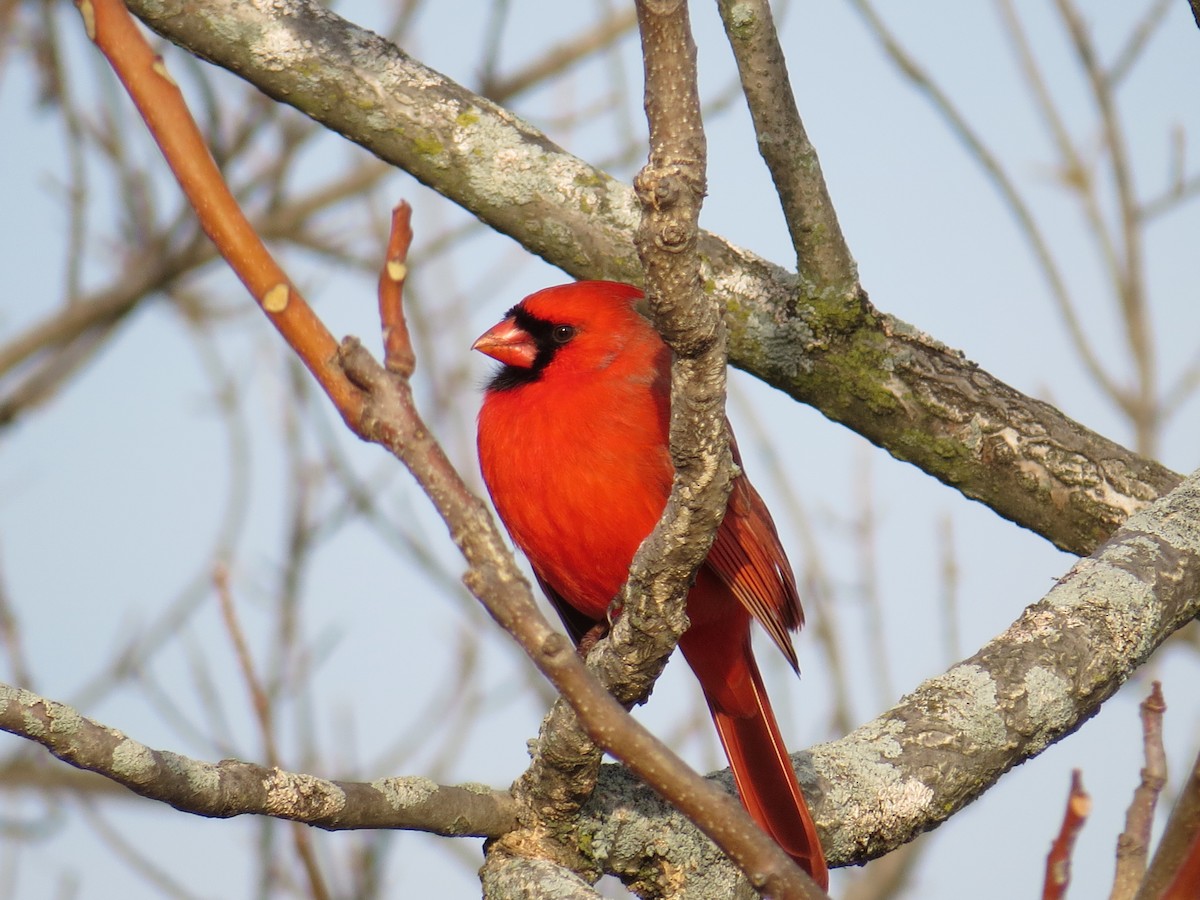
[(233, 788)]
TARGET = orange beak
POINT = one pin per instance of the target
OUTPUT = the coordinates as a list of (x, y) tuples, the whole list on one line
[(508, 343)]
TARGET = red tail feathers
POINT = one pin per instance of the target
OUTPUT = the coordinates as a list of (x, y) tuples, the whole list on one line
[(767, 782)]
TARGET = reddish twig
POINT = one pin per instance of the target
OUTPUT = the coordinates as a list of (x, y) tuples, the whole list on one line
[(161, 104), (398, 356), (1058, 863), (1186, 883)]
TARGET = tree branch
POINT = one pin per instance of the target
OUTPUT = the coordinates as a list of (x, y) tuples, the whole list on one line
[(1058, 861), (1133, 845), (234, 788), (920, 400), (823, 259)]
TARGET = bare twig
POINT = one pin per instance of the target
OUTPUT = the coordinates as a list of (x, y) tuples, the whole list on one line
[(1005, 187), (160, 102), (165, 883), (823, 259), (1133, 846), (886, 878), (1141, 404), (1075, 174), (556, 59), (10, 637), (866, 535), (262, 713), (949, 583), (1139, 37), (398, 357), (1058, 862)]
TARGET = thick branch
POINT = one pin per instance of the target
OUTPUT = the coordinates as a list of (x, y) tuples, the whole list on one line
[(1024, 690), (923, 402)]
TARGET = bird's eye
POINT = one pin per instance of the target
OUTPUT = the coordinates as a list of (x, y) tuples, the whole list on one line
[(563, 333)]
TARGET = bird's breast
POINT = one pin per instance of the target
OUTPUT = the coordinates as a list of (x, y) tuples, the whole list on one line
[(579, 482)]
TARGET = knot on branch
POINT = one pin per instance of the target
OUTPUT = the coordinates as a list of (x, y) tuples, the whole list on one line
[(693, 335), (663, 187), (656, 188)]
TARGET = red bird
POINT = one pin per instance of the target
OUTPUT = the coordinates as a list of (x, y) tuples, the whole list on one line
[(573, 445)]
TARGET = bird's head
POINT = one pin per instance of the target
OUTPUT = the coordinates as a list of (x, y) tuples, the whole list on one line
[(582, 329)]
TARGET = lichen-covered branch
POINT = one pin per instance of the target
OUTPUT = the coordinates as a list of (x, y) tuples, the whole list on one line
[(1025, 689), (920, 400), (235, 788), (671, 188), (535, 879)]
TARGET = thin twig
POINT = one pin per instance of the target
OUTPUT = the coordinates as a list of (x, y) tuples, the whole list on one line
[(161, 105), (823, 259), (1141, 404), (10, 637), (1135, 43), (1058, 862), (1133, 845), (263, 714), (561, 57)]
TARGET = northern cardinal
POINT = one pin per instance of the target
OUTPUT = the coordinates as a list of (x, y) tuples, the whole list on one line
[(573, 445)]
